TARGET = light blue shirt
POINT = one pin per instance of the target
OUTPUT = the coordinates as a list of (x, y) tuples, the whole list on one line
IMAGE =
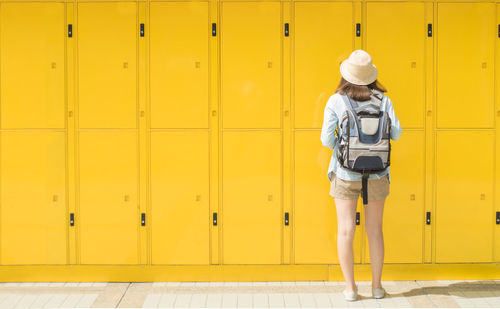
[(334, 110)]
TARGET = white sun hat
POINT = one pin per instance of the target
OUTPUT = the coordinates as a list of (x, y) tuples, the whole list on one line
[(358, 69)]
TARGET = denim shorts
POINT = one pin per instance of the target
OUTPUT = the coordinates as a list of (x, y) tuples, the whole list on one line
[(351, 190)]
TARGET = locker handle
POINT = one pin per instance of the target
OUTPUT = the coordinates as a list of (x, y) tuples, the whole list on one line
[(70, 30), (214, 218), (55, 198), (287, 218), (286, 29), (214, 28), (142, 29), (72, 219), (357, 218), (143, 219), (498, 217), (428, 218), (358, 29), (126, 198)]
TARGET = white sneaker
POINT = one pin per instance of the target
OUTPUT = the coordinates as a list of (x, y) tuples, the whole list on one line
[(350, 295), (378, 293)]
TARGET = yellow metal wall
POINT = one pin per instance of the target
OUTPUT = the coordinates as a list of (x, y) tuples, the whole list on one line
[(181, 124)]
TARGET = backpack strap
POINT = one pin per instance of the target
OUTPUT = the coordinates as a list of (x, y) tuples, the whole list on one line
[(364, 187)]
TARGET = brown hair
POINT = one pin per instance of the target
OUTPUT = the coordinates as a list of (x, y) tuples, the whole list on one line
[(358, 92)]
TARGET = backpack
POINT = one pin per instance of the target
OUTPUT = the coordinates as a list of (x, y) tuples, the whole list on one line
[(364, 145)]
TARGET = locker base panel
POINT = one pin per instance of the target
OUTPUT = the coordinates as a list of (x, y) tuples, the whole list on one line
[(154, 273)]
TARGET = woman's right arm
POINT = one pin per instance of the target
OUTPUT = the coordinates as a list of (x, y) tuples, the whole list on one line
[(396, 129), (330, 121)]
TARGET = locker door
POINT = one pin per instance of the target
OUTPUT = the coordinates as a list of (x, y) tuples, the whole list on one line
[(33, 198), (179, 197), (32, 82), (251, 64), (465, 65), (323, 38), (251, 197), (314, 217), (404, 207), (464, 175), (108, 207), (107, 73), (395, 36), (179, 64)]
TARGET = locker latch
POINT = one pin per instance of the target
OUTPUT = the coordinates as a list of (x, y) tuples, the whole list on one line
[(142, 29), (286, 29), (70, 30), (287, 218), (143, 219), (429, 29), (498, 217), (428, 218), (214, 27), (357, 218), (215, 218), (72, 219), (358, 29)]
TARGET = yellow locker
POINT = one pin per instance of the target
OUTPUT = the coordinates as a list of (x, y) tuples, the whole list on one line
[(465, 65), (32, 65), (323, 37), (33, 198), (179, 197), (107, 64), (252, 218), (464, 196), (404, 207), (395, 38), (314, 216), (108, 203), (251, 64), (179, 64)]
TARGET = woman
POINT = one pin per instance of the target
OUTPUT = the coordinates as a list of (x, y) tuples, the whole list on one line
[(359, 82)]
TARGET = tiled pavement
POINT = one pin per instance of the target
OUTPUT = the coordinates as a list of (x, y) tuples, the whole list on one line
[(409, 294)]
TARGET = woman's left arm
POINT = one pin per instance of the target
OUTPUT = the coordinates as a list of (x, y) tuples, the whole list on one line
[(330, 121)]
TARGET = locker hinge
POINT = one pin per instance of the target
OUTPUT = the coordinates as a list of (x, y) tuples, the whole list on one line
[(428, 218), (357, 218), (143, 219), (214, 219), (287, 218), (142, 29), (214, 29), (70, 30), (358, 29), (498, 217), (286, 29), (72, 219), (429, 30)]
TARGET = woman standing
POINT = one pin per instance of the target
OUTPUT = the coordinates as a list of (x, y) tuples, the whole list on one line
[(359, 82)]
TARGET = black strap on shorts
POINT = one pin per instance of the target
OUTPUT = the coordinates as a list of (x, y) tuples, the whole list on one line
[(364, 187)]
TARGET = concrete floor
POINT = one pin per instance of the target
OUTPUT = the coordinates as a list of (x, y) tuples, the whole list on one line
[(409, 294)]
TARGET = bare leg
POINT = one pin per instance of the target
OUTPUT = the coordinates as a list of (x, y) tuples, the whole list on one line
[(373, 224), (346, 222)]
